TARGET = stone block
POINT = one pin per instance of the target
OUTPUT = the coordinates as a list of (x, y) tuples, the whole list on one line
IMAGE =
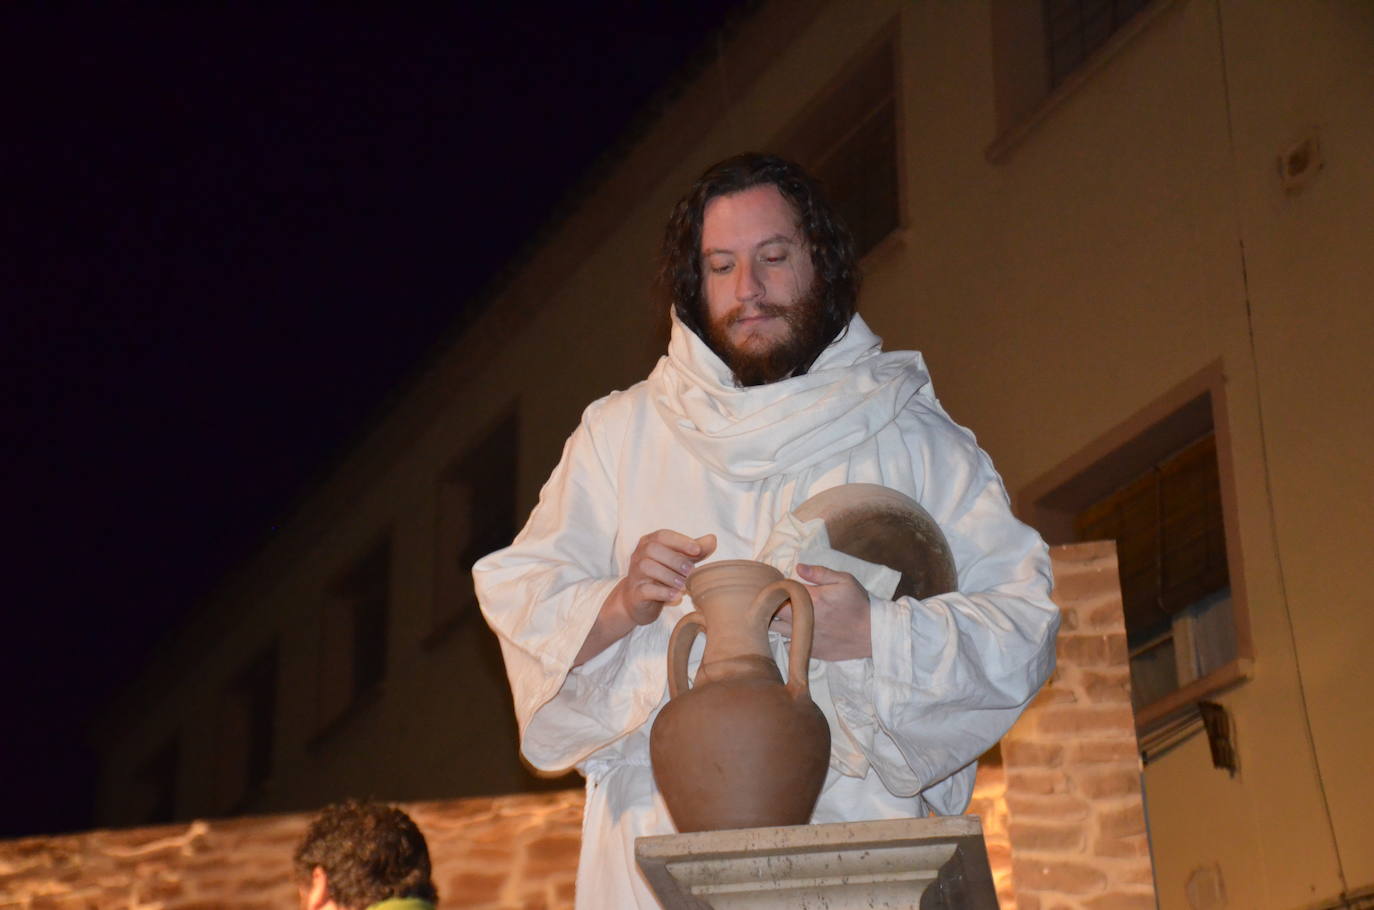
[(1085, 583), (1063, 876), (472, 888), (1134, 847), (1138, 900), (1026, 753), (1108, 685), (1055, 807), (1054, 695), (1105, 617), (1121, 749), (1042, 837), (1108, 783), (1107, 649), (888, 863), (1119, 823), (1083, 720), (1037, 781), (548, 854)]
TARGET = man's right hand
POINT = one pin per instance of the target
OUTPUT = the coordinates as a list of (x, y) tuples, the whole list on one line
[(658, 572), (657, 576)]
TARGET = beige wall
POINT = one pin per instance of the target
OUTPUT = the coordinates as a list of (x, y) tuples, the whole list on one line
[(1099, 265), (1302, 69), (1137, 235)]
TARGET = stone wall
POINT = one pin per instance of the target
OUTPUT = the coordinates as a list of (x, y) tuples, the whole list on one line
[(489, 854), (1062, 812), (1076, 817)]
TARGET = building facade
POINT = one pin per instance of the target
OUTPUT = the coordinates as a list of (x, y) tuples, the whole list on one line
[(1131, 240)]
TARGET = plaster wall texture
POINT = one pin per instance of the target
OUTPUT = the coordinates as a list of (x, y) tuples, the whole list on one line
[(1138, 235)]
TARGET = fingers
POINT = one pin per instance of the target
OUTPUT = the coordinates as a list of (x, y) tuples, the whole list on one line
[(820, 575), (659, 567), (691, 547), (646, 591), (669, 569), (673, 561), (707, 544)]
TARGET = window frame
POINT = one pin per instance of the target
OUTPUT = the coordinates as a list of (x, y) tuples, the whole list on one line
[(349, 592), (1023, 97), (1181, 415), (886, 40), (454, 599), (255, 694)]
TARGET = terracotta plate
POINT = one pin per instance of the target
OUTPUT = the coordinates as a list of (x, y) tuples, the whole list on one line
[(880, 525)]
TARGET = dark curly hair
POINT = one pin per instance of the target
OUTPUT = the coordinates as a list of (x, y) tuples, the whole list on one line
[(369, 852), (831, 245)]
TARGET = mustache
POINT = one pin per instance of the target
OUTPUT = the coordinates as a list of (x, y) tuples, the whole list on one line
[(760, 309)]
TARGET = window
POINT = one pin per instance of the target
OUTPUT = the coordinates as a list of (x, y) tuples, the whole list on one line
[(847, 139), (1158, 485), (1076, 28), (1171, 556), (1043, 49), (353, 634), (151, 798), (478, 513), (243, 756)]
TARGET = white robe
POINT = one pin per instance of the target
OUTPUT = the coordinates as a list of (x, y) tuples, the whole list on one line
[(688, 451)]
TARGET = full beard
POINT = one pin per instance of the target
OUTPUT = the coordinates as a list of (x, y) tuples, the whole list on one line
[(790, 355)]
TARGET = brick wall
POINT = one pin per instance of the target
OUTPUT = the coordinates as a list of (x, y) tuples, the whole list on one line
[(489, 854), (1076, 818), (1062, 812)]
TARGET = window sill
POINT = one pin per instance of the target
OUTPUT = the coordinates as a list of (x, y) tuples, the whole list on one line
[(1156, 713), (1019, 130)]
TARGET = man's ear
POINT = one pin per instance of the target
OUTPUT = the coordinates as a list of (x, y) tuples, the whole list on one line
[(317, 892)]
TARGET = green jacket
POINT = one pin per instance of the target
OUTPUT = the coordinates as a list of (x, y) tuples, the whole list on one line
[(402, 903)]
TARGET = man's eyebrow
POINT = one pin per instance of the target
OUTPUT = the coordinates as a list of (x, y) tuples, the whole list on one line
[(776, 238)]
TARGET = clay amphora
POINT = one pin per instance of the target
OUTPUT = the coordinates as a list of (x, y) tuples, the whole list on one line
[(739, 749)]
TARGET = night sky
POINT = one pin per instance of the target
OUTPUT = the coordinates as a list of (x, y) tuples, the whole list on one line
[(228, 234)]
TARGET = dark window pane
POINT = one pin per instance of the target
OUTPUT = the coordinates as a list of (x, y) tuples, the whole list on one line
[(153, 794), (354, 627), (1171, 554), (1076, 28), (847, 139)]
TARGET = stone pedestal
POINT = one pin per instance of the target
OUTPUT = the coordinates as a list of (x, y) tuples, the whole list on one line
[(925, 863)]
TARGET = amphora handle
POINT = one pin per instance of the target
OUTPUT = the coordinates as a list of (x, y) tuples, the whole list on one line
[(679, 648), (769, 601)]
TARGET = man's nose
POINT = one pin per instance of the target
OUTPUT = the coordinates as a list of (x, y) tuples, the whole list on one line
[(747, 284)]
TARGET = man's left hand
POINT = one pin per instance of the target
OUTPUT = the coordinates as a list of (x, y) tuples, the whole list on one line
[(842, 629)]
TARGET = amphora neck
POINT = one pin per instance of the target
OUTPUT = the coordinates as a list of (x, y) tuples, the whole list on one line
[(724, 592)]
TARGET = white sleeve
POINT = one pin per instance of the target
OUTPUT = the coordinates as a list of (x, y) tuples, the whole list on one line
[(950, 674), (541, 596)]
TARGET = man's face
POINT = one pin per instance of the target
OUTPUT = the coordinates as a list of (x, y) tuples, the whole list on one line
[(758, 280)]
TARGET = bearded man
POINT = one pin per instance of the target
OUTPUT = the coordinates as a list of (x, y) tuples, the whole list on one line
[(772, 390)]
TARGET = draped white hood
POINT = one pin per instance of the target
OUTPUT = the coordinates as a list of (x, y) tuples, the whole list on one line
[(851, 392)]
